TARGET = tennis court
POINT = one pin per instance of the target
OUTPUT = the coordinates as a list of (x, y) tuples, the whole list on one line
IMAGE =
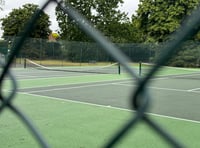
[(81, 109), (173, 96)]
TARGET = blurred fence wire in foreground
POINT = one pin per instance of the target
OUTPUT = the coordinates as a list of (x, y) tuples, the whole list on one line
[(140, 98)]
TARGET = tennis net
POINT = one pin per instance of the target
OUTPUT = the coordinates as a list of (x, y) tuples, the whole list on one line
[(112, 68)]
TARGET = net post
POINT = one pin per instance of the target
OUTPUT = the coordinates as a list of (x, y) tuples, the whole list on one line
[(24, 62), (140, 68), (119, 68)]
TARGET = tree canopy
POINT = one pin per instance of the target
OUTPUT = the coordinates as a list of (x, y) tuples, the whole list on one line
[(14, 23), (156, 19), (105, 15)]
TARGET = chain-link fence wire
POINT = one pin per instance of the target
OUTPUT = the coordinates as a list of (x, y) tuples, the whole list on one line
[(140, 98)]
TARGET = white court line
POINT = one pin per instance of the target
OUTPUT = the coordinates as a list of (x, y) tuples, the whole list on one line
[(187, 75), (158, 88), (117, 108), (99, 81), (169, 89), (120, 84), (133, 80), (51, 77), (27, 77), (193, 90), (68, 88)]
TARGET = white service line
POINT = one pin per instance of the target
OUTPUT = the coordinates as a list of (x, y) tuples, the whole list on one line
[(117, 108), (193, 90), (99, 81), (128, 85), (169, 89), (60, 76), (68, 88), (135, 80), (26, 77), (158, 88)]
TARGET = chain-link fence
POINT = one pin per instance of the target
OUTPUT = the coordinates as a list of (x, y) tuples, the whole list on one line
[(140, 98), (42, 50), (74, 51)]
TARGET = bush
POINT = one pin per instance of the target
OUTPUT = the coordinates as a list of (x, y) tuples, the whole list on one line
[(177, 63), (189, 56)]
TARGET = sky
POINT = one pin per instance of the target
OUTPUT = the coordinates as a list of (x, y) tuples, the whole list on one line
[(129, 7)]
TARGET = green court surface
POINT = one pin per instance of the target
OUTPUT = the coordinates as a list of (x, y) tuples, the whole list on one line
[(86, 110)]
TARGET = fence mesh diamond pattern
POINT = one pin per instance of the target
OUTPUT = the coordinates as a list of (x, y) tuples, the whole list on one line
[(140, 98)]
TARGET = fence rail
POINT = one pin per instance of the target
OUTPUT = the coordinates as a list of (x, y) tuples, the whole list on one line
[(140, 98)]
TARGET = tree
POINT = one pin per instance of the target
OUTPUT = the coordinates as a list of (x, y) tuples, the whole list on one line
[(68, 27), (14, 23), (158, 18), (105, 16), (111, 21)]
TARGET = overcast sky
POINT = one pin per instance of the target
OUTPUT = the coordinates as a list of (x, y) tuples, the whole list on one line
[(129, 6)]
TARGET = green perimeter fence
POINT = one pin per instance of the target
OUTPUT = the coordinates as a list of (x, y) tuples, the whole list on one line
[(121, 53), (81, 52), (87, 52)]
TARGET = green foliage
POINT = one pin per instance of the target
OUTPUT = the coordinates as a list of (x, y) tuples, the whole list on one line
[(158, 18), (14, 23), (189, 55), (68, 27), (105, 16), (109, 19)]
